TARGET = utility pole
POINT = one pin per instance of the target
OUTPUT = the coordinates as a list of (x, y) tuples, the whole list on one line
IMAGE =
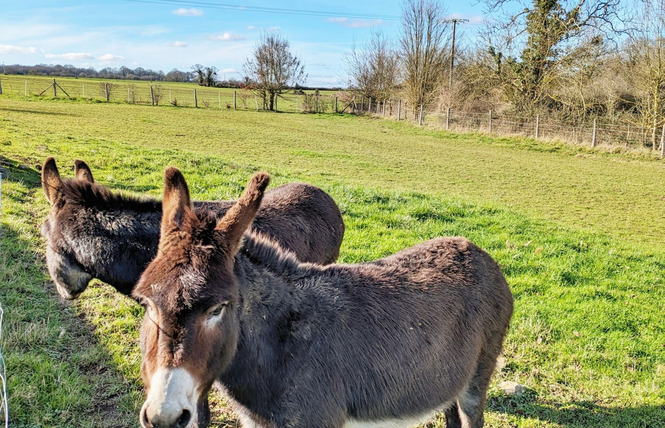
[(452, 55)]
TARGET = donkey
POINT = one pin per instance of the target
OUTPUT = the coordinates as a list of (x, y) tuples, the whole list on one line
[(380, 344), (92, 232)]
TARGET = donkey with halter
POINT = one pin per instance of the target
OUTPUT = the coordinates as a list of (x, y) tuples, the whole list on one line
[(380, 344), (92, 232)]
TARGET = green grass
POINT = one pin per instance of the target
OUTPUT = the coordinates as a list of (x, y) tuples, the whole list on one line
[(138, 92), (576, 234)]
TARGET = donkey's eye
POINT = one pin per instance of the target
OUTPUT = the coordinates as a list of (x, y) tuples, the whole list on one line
[(217, 311)]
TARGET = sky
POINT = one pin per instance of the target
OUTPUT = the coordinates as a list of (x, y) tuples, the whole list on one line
[(165, 34)]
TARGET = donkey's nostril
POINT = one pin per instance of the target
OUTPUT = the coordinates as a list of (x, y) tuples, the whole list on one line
[(145, 423), (184, 418)]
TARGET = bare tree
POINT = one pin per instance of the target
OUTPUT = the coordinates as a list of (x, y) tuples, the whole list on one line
[(274, 68), (424, 41), (199, 73), (374, 68), (645, 65)]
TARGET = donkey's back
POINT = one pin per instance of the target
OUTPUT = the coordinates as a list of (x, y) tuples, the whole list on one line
[(393, 341)]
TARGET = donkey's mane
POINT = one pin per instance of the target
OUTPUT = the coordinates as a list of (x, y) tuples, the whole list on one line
[(263, 250), (99, 196)]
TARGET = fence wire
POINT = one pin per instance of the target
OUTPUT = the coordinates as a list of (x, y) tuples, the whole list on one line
[(604, 132), (3, 376)]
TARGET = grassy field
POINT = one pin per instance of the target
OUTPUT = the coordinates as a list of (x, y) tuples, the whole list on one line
[(165, 93), (576, 233)]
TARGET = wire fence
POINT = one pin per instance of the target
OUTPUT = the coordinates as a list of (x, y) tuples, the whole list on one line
[(168, 93), (3, 375), (592, 132)]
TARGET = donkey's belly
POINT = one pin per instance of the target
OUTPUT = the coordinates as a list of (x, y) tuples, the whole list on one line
[(405, 422)]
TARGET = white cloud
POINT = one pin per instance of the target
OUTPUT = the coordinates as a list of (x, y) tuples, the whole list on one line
[(187, 12), (228, 70), (251, 27), (152, 30), (71, 56), (357, 23), (9, 49), (275, 28), (178, 44), (110, 58), (227, 37)]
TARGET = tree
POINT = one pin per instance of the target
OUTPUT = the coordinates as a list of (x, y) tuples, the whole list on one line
[(205, 76), (374, 68), (273, 67), (551, 36), (423, 44), (645, 65)]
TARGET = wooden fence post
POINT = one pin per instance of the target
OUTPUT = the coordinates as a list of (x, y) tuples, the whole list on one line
[(152, 96), (448, 119), (170, 98), (26, 88), (127, 94), (336, 111), (0, 87), (369, 106), (362, 104), (537, 125), (593, 136), (490, 123), (399, 109), (83, 90), (275, 102), (420, 117), (235, 100), (55, 94), (662, 143), (256, 103), (219, 100), (196, 99), (316, 102)]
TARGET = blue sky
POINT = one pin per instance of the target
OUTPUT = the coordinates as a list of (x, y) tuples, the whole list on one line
[(164, 34)]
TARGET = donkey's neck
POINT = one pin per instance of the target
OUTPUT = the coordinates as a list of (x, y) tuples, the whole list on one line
[(273, 311), (122, 243), (120, 234)]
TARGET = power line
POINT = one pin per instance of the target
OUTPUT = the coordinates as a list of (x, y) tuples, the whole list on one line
[(226, 6)]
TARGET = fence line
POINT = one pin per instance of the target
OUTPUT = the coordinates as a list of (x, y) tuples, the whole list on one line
[(3, 376), (168, 93)]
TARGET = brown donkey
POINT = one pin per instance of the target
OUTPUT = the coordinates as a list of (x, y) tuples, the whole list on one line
[(92, 232), (381, 344)]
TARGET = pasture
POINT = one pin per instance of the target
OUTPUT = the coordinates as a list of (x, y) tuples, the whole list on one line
[(576, 232)]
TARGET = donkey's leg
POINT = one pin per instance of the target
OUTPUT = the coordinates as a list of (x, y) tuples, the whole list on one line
[(452, 416), (472, 401)]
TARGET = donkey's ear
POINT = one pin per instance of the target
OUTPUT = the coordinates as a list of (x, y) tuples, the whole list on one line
[(83, 173), (238, 218), (51, 181), (176, 205)]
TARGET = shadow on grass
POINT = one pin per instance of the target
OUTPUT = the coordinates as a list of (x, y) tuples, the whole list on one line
[(39, 112), (578, 414), (58, 372), (14, 170)]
